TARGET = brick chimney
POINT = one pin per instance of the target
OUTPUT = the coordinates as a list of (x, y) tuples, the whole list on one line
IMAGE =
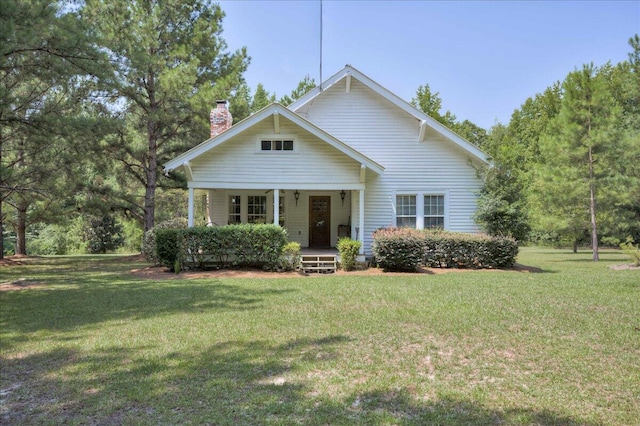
[(220, 118)]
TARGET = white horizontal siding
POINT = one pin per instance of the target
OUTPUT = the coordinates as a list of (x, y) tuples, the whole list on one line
[(239, 161), (389, 136)]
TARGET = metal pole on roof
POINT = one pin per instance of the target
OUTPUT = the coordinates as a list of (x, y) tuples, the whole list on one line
[(321, 45)]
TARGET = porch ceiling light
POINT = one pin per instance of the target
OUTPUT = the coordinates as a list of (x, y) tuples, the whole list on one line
[(296, 195), (342, 195)]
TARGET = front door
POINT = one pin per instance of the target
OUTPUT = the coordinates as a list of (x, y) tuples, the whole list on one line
[(319, 222)]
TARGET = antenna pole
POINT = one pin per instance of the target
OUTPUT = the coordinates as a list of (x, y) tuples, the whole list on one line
[(321, 45)]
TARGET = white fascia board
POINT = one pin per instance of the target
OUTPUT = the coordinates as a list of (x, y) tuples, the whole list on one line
[(316, 91), (397, 101), (309, 186)]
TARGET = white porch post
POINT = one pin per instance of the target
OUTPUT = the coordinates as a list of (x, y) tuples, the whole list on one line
[(276, 207), (210, 207), (191, 208), (361, 221)]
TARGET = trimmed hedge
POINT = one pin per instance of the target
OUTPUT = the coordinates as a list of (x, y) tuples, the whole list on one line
[(241, 245), (398, 249), (168, 247), (149, 247), (402, 249), (444, 249)]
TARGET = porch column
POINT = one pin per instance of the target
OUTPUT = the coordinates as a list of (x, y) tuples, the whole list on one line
[(361, 222), (210, 207), (276, 207), (191, 208)]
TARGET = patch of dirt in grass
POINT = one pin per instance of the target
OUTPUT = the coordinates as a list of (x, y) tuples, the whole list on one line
[(624, 267), (161, 273), (21, 284), (16, 260)]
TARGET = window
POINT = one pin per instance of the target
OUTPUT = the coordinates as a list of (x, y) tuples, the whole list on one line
[(406, 211), (281, 211), (257, 209), (234, 209), (276, 145), (433, 211), (422, 211)]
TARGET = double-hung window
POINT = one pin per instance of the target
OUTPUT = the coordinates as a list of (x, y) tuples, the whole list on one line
[(421, 210), (256, 209), (234, 209), (433, 211), (406, 211)]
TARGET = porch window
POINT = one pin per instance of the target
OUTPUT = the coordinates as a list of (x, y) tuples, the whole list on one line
[(406, 211), (257, 209), (276, 145), (234, 209), (433, 211), (281, 211)]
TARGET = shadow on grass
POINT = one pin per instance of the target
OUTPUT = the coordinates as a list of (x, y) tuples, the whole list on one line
[(94, 300), (233, 383)]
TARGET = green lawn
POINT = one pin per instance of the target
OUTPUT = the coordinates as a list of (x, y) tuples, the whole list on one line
[(96, 345)]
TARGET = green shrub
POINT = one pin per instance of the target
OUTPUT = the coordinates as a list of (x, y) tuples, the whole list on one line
[(149, 249), (398, 249), (241, 245), (104, 235), (349, 250), (290, 259), (169, 248), (444, 249), (501, 253), (633, 251)]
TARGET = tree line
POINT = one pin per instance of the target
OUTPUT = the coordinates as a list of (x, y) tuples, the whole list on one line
[(96, 95)]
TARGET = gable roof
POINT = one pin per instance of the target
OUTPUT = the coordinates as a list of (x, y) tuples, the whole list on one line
[(350, 72), (268, 111)]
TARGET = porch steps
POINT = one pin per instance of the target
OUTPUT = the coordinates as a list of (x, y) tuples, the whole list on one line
[(321, 263)]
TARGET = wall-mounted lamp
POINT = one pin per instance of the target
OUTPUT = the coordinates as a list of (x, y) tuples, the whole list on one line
[(342, 195), (296, 195)]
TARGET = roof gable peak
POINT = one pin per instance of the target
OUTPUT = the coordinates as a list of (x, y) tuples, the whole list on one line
[(350, 71)]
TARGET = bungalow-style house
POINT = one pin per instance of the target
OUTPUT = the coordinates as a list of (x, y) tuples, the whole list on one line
[(347, 158)]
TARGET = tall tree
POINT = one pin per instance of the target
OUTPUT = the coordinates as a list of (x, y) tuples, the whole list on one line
[(47, 65), (431, 104), (261, 98), (579, 152), (304, 86), (169, 64)]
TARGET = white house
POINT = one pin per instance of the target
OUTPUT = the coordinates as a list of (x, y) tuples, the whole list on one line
[(346, 159)]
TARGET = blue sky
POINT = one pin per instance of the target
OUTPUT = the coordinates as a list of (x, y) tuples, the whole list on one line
[(484, 58)]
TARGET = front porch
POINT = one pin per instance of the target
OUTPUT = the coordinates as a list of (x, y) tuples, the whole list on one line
[(314, 218)]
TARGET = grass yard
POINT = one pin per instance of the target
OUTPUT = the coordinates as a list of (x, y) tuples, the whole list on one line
[(91, 343)]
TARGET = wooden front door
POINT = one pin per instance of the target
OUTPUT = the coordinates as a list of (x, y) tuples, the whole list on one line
[(319, 222)]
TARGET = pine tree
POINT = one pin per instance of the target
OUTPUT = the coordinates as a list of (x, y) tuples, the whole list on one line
[(578, 153), (169, 64), (304, 86)]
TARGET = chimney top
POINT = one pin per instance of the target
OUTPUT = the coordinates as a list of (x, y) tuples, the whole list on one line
[(220, 118)]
